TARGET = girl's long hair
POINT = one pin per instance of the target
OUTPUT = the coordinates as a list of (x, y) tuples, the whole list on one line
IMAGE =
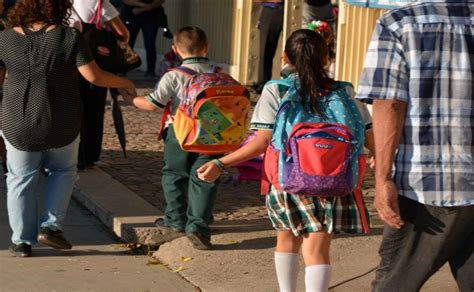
[(307, 51), (50, 12)]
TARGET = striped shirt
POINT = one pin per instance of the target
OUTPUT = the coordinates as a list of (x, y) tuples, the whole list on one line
[(423, 54)]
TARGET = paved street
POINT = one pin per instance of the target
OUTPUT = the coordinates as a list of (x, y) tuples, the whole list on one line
[(97, 261)]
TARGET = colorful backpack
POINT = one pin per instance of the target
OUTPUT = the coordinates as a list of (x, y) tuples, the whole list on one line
[(314, 156), (212, 117)]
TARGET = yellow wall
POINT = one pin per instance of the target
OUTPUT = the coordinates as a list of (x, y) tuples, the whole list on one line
[(230, 25), (355, 29)]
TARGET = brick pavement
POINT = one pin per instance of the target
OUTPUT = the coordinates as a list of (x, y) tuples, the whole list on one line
[(141, 170)]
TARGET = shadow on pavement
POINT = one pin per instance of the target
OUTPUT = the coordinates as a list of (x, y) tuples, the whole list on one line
[(249, 244)]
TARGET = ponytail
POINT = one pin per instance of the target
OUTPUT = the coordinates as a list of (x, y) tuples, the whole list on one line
[(307, 51)]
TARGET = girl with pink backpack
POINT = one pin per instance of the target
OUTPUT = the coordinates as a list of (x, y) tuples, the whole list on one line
[(306, 221)]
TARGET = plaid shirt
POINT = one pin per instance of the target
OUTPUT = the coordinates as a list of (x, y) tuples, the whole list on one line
[(423, 54)]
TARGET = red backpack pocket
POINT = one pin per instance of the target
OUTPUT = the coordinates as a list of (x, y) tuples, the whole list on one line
[(322, 156)]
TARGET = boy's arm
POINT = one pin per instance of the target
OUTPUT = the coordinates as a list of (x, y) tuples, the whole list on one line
[(158, 99), (140, 102)]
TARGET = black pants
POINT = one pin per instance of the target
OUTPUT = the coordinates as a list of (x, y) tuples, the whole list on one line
[(271, 25), (431, 237), (149, 24), (93, 107)]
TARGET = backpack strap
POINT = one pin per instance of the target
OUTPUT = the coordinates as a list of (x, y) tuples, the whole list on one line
[(167, 109), (216, 69), (164, 118), (97, 17), (358, 197), (283, 82), (190, 72)]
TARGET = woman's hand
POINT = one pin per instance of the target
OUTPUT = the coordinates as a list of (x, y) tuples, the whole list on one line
[(209, 172), (130, 88)]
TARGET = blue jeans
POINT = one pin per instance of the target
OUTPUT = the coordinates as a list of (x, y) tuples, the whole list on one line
[(24, 169)]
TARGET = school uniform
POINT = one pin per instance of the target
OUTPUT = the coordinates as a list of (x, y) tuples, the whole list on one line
[(194, 213), (300, 214)]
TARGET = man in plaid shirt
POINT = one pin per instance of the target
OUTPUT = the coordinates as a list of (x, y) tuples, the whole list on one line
[(419, 74)]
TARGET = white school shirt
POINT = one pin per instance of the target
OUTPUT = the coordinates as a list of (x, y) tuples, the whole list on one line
[(84, 10)]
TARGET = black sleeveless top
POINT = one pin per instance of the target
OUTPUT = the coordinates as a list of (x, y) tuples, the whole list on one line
[(41, 108)]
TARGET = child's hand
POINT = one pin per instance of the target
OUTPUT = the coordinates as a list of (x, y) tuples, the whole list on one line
[(209, 172), (371, 158)]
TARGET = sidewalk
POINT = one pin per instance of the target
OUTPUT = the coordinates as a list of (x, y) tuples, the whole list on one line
[(96, 263), (126, 195)]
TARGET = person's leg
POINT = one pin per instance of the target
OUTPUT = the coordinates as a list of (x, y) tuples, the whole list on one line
[(430, 237), (22, 179), (93, 101), (201, 199), (462, 263), (316, 257), (60, 165), (271, 25), (287, 260), (133, 26), (150, 31), (175, 176)]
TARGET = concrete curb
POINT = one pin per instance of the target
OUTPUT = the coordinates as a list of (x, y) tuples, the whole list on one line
[(130, 217)]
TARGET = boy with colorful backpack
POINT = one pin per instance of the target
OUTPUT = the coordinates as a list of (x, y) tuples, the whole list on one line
[(313, 136), (205, 115)]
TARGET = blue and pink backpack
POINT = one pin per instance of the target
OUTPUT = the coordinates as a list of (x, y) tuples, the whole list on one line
[(318, 156)]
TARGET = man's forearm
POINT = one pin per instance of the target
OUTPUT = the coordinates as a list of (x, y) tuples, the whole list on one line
[(388, 121)]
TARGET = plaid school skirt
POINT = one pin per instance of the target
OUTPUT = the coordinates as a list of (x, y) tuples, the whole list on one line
[(303, 215)]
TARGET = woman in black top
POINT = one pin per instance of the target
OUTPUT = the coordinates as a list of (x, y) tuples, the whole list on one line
[(41, 116)]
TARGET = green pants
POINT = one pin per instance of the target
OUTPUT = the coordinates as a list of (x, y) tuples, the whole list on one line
[(194, 214)]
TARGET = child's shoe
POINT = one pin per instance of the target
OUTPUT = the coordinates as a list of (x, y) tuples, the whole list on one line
[(20, 250), (160, 224), (199, 241)]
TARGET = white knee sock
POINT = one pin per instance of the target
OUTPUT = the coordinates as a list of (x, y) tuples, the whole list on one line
[(287, 265), (317, 278)]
